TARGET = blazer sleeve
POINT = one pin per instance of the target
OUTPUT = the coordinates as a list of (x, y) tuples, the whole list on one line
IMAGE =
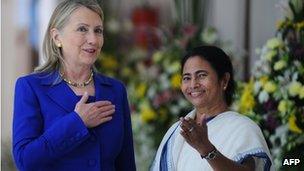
[(126, 160), (34, 147)]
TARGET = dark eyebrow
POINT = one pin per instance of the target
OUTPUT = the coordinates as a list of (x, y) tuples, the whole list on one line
[(201, 71), (196, 72), (99, 26), (186, 74)]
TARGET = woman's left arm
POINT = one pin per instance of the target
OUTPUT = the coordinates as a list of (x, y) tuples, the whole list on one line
[(126, 160), (197, 136), (220, 162)]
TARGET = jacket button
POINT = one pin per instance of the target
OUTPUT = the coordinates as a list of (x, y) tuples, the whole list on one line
[(92, 162)]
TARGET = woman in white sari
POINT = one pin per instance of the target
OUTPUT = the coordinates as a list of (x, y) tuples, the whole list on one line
[(211, 137)]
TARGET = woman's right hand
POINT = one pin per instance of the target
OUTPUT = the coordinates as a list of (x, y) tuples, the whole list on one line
[(94, 114)]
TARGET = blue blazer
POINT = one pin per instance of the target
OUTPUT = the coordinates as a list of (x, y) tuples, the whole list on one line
[(49, 135)]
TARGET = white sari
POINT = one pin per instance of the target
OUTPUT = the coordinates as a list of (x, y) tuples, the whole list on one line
[(234, 135)]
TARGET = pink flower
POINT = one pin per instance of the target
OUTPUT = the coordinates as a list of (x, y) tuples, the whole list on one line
[(189, 30)]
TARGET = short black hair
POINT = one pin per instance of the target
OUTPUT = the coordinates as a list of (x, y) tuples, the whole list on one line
[(219, 61)]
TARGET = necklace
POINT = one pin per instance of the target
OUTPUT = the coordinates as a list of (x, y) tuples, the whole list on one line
[(78, 85)]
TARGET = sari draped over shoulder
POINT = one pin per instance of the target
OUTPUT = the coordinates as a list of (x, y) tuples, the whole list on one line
[(234, 135)]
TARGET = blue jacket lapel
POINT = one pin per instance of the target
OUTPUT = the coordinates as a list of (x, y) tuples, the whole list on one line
[(103, 88), (59, 91), (62, 94)]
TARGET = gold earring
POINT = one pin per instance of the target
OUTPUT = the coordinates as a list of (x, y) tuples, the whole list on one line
[(59, 45)]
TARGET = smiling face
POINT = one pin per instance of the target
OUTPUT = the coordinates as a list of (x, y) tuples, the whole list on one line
[(200, 83), (81, 38)]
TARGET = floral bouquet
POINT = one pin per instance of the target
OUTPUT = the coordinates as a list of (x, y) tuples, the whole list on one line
[(274, 97)]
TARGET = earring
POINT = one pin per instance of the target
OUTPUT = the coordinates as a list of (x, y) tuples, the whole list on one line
[(59, 45)]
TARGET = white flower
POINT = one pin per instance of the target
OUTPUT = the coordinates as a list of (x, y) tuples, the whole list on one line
[(294, 88), (174, 67), (258, 51), (263, 96), (257, 86), (151, 91), (274, 43), (209, 35), (113, 26), (270, 54), (164, 83), (174, 110), (279, 65)]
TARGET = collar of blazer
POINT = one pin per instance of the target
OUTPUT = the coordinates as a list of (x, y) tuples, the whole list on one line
[(53, 78), (63, 96)]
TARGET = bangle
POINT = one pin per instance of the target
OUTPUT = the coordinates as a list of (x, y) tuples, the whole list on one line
[(211, 155)]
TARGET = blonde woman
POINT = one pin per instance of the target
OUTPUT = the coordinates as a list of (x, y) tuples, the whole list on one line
[(66, 115)]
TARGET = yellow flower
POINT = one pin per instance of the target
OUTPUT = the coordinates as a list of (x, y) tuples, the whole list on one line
[(283, 106), (300, 25), (141, 90), (247, 100), (163, 113), (147, 114), (157, 56), (109, 62), (294, 88), (176, 81), (279, 65), (270, 54), (292, 124), (274, 43), (270, 87), (301, 94), (279, 24), (263, 80), (126, 71)]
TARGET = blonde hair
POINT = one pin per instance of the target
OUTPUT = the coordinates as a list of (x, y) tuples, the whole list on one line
[(59, 18)]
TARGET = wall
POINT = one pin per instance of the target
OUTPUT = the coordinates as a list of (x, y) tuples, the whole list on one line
[(14, 62), (263, 19), (228, 18)]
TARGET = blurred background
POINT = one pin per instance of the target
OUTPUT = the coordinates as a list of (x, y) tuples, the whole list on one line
[(144, 41)]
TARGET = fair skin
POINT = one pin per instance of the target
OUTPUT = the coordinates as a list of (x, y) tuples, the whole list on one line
[(82, 39), (202, 87)]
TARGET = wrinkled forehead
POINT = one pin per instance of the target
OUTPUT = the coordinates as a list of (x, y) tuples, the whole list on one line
[(86, 16)]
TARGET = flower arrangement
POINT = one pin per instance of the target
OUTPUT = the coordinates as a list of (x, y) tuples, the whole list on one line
[(274, 96)]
